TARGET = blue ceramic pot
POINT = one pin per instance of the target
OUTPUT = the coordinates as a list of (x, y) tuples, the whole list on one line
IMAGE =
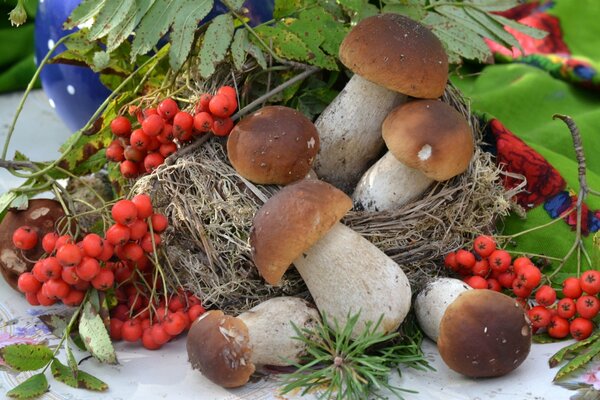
[(76, 92)]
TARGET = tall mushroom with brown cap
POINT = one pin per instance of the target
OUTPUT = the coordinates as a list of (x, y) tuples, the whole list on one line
[(42, 215), (228, 349), (392, 57), (344, 272), (274, 145), (428, 141), (483, 334)]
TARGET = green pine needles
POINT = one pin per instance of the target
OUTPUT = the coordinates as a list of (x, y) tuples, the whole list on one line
[(339, 367)]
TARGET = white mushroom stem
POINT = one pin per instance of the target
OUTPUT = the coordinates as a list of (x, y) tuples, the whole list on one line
[(350, 131), (433, 300), (389, 184), (347, 274), (271, 333)]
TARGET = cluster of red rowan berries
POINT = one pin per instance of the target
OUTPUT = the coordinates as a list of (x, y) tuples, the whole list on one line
[(487, 267), (162, 129), (121, 260)]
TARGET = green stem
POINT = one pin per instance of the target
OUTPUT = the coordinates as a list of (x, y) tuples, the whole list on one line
[(32, 82)]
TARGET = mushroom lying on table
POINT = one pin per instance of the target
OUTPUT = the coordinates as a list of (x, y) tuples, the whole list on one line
[(428, 141), (391, 56), (344, 272), (480, 333), (227, 349), (274, 145)]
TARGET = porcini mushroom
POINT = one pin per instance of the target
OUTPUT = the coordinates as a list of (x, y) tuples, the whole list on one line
[(42, 215), (432, 301), (228, 349), (428, 141), (344, 272), (274, 145), (484, 333), (391, 56)]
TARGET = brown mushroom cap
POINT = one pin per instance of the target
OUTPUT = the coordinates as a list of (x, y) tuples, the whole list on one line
[(42, 215), (274, 145), (291, 221), (431, 136), (397, 53), (218, 346), (484, 333)]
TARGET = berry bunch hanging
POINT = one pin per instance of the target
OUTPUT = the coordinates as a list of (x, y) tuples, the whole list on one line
[(156, 133)]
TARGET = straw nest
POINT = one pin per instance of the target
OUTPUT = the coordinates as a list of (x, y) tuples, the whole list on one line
[(211, 209)]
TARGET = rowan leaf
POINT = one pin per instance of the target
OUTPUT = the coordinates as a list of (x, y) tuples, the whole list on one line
[(26, 357), (5, 201), (153, 25), (460, 16), (119, 33), (308, 28), (238, 48), (83, 12), (63, 374), (110, 17), (284, 8), (216, 42), (186, 21), (34, 386), (579, 361), (527, 30), (90, 382), (495, 29), (414, 11), (284, 43), (95, 336), (493, 5)]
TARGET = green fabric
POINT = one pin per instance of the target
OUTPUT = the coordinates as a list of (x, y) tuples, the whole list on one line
[(524, 98), (16, 48)]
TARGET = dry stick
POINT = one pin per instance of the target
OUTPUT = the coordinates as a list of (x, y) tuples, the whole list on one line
[(583, 191)]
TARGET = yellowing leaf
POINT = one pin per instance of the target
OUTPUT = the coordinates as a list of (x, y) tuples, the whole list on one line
[(32, 387), (26, 357)]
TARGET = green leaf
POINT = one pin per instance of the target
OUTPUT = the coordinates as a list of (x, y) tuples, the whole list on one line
[(234, 4), (21, 202), (493, 5), (579, 361), (56, 323), (414, 11), (85, 10), (5, 200), (63, 374), (186, 21), (495, 29), (111, 16), (529, 31), (90, 382), (32, 387), (216, 41), (26, 357), (154, 25), (71, 361), (284, 8), (95, 336), (308, 28), (238, 48), (460, 16), (101, 60), (458, 41), (285, 43), (119, 33)]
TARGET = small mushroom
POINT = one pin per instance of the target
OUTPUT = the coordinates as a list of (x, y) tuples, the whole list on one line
[(428, 141), (274, 145), (227, 349), (432, 301), (41, 214), (484, 333), (391, 56), (344, 272)]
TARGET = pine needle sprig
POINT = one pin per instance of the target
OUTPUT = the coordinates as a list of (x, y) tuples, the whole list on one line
[(339, 367)]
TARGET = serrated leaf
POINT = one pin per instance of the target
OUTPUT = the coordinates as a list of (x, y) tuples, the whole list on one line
[(460, 16), (186, 21), (55, 323), (496, 30), (90, 382), (528, 30), (83, 12), (458, 40), (578, 361), (284, 43), (95, 336), (308, 28), (30, 388), (216, 42), (238, 48), (71, 361), (284, 8), (153, 25), (63, 374), (111, 16), (493, 5), (332, 30), (119, 33), (414, 11), (26, 357)]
